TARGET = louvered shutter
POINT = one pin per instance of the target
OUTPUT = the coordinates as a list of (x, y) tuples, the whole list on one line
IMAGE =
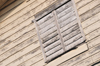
[(59, 30), (70, 28)]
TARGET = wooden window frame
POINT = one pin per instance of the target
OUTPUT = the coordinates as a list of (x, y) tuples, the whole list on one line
[(81, 29)]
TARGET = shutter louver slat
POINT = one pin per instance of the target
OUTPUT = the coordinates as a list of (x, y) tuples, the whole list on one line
[(52, 45), (59, 30), (52, 51)]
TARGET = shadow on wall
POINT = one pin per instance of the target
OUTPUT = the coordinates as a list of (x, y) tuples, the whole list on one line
[(7, 8)]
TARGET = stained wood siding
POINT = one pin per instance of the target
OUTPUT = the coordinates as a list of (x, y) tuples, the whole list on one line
[(19, 44)]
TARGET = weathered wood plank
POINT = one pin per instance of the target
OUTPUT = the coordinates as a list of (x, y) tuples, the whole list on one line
[(91, 20), (53, 50), (76, 1), (17, 41), (23, 54), (10, 7), (22, 6), (25, 57), (93, 34), (87, 7), (52, 45), (40, 63), (32, 60), (22, 12), (96, 58), (18, 47), (82, 3), (94, 42), (92, 27), (90, 13), (71, 35), (19, 30), (15, 24), (32, 12), (84, 62), (54, 39)]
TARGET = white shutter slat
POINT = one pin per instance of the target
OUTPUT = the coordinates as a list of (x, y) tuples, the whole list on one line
[(71, 35), (71, 29), (52, 40), (46, 23), (53, 50), (52, 45), (45, 29)]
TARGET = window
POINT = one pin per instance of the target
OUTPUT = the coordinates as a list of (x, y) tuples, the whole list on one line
[(58, 29)]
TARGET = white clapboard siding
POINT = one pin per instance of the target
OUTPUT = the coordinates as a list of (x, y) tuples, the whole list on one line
[(59, 30)]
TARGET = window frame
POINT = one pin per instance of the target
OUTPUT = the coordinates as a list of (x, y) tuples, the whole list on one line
[(79, 23)]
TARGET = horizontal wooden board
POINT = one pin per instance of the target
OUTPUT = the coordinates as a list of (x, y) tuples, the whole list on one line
[(23, 5), (16, 24), (87, 7), (10, 36), (93, 34), (17, 41), (92, 27), (91, 20), (90, 13), (82, 3), (22, 53), (32, 60)]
